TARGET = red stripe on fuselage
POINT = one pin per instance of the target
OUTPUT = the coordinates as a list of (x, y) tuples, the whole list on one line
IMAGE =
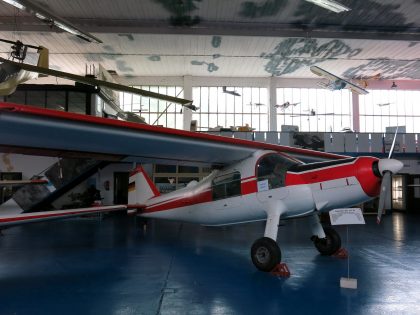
[(205, 196), (247, 187)]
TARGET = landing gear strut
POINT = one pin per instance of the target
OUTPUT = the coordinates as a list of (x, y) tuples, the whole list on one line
[(328, 245), (265, 253)]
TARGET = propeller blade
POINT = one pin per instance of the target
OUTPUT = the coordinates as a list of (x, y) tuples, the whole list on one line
[(393, 143), (385, 190)]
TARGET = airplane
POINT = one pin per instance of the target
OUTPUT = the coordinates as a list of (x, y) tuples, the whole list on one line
[(336, 83), (14, 73), (251, 181), (255, 104), (14, 183), (285, 105), (312, 112), (234, 93), (383, 104)]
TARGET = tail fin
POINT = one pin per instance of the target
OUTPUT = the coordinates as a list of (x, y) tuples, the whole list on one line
[(140, 187), (43, 59)]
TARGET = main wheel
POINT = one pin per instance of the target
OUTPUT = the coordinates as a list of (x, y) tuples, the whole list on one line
[(328, 245), (265, 254)]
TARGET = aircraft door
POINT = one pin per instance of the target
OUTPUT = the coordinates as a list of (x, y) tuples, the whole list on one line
[(271, 176), (226, 192)]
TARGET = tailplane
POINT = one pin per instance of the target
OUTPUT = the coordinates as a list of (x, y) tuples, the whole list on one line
[(140, 187)]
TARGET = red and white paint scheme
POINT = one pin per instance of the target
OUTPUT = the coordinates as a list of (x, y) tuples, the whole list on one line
[(267, 186), (252, 180)]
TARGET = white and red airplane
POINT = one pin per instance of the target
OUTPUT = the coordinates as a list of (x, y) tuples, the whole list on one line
[(253, 181)]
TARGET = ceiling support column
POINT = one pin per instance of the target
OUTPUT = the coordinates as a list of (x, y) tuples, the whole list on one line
[(187, 117), (272, 110), (356, 115)]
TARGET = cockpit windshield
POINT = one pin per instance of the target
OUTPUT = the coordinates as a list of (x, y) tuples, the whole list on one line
[(273, 168)]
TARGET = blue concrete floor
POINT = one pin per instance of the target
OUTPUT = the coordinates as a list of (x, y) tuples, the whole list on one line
[(84, 266)]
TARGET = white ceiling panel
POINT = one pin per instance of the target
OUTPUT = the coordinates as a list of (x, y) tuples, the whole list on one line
[(234, 38)]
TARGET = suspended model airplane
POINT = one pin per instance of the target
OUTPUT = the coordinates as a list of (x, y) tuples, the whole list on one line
[(253, 181), (13, 73), (285, 105), (231, 92), (336, 83)]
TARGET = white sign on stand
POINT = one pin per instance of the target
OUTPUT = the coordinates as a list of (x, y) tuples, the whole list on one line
[(347, 216)]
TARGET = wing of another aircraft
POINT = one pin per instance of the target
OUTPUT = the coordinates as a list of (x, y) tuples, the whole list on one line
[(95, 82), (13, 183), (37, 131), (33, 217), (335, 82)]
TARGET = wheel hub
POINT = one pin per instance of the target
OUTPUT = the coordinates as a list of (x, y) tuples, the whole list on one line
[(262, 255)]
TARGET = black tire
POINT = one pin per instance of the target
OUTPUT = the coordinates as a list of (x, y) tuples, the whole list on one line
[(265, 254), (330, 244)]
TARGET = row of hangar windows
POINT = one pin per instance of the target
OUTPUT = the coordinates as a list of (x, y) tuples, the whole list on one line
[(309, 109)]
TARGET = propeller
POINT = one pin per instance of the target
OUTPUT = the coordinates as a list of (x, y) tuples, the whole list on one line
[(387, 167)]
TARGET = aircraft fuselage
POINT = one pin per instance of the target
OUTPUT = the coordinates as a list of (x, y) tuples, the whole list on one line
[(306, 188)]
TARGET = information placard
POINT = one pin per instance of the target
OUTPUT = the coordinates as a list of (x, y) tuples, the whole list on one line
[(346, 216)]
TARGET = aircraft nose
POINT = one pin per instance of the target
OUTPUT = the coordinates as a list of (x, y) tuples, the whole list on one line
[(390, 165)]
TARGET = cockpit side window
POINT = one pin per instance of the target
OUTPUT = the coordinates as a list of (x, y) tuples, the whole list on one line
[(273, 168), (227, 185)]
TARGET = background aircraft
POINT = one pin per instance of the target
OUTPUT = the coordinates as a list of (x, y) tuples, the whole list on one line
[(234, 93), (14, 183), (254, 181), (285, 105), (336, 83), (311, 112), (14, 73)]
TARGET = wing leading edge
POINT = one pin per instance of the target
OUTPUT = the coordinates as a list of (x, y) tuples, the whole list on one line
[(36, 131), (34, 217)]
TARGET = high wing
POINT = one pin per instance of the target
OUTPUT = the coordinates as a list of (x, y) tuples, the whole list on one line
[(33, 217), (95, 82), (37, 131), (336, 82)]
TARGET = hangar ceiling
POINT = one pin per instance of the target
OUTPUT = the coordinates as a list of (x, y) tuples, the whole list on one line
[(219, 38)]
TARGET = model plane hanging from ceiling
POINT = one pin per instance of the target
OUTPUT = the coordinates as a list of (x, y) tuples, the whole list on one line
[(13, 73), (285, 105), (336, 83)]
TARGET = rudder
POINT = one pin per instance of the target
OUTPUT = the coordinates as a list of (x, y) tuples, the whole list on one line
[(140, 187)]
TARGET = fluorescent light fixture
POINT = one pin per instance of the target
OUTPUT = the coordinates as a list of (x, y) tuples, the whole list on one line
[(15, 4), (330, 5), (52, 19)]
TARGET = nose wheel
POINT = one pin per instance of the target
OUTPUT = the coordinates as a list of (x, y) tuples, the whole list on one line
[(328, 245), (265, 254)]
